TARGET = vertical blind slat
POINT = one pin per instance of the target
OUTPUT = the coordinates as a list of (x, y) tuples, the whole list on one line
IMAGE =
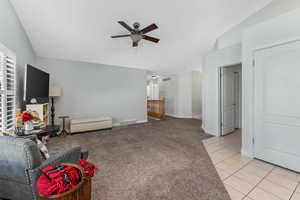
[(7, 92)]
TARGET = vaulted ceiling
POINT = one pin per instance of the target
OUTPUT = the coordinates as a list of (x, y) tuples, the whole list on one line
[(80, 30)]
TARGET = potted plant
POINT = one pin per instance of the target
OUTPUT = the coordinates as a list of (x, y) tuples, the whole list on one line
[(27, 119)]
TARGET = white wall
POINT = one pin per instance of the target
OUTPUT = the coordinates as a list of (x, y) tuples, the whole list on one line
[(184, 105), (153, 91), (168, 90), (93, 90), (13, 36), (210, 84), (228, 52), (275, 8), (183, 95), (196, 95), (113, 91), (281, 29)]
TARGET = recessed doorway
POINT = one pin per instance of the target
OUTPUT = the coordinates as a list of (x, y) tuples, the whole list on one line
[(230, 92)]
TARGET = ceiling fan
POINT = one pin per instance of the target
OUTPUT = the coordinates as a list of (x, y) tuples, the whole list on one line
[(136, 34)]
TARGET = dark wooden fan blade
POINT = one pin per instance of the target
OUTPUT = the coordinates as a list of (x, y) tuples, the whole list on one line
[(135, 44), (126, 26), (120, 36), (152, 39), (149, 28)]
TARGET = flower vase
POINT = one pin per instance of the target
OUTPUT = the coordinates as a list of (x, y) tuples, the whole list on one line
[(28, 126)]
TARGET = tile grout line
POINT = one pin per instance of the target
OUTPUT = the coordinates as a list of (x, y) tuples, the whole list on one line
[(235, 191), (233, 175), (222, 141), (210, 143), (224, 160), (218, 150), (256, 186), (270, 193), (265, 177), (271, 181), (223, 147), (294, 191), (236, 153), (238, 169), (245, 195), (235, 172), (279, 185)]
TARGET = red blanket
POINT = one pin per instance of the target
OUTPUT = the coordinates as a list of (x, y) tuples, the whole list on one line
[(59, 179)]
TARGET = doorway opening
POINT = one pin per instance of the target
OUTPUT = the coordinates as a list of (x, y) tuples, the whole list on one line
[(230, 92), (155, 99)]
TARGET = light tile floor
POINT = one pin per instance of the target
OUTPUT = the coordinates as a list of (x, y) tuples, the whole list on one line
[(250, 179)]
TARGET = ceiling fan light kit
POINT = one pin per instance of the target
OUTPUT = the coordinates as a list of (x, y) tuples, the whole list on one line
[(136, 34)]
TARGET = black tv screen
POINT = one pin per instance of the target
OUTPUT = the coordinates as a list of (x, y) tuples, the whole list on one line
[(36, 84)]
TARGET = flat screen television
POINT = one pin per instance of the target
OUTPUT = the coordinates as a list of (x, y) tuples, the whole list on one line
[(36, 85)]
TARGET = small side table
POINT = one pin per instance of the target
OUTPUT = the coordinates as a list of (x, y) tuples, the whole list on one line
[(64, 132), (43, 132)]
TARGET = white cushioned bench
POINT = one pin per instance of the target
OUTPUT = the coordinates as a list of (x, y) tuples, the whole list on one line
[(83, 125)]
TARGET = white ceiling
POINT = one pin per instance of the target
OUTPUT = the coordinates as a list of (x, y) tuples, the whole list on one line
[(80, 29)]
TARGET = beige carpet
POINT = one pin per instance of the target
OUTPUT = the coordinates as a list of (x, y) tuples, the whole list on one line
[(160, 160)]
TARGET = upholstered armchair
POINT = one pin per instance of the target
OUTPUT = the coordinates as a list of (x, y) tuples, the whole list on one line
[(21, 163)]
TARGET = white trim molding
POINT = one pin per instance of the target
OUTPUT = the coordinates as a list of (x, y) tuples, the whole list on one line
[(197, 116), (246, 153), (209, 132), (118, 124), (180, 116), (142, 121)]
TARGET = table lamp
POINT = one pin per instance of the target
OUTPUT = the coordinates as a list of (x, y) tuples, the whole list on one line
[(53, 92)]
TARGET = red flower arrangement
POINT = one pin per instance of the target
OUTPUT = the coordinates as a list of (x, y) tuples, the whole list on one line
[(26, 116)]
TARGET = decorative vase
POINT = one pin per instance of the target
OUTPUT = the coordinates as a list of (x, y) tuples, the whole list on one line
[(28, 126)]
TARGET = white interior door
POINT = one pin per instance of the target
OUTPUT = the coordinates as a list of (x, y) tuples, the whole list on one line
[(238, 96), (228, 106), (277, 105)]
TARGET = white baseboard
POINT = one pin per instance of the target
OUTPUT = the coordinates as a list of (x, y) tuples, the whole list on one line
[(170, 115), (180, 116), (124, 124), (197, 116), (209, 132), (244, 152), (185, 116), (142, 121), (116, 125), (205, 131)]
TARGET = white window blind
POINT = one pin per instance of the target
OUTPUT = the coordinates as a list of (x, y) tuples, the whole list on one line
[(7, 92)]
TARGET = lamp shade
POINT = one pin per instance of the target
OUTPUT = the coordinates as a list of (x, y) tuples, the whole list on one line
[(55, 92)]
